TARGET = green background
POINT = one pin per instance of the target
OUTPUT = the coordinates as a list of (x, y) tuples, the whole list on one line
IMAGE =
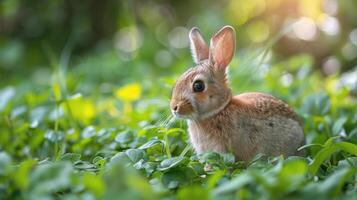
[(85, 89)]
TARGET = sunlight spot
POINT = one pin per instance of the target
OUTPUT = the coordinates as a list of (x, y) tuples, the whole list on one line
[(305, 29), (349, 79), (128, 39), (310, 8), (6, 95), (56, 114), (349, 51), (178, 37), (331, 65), (258, 31), (88, 132), (329, 25), (241, 10), (343, 133), (286, 79), (163, 58), (330, 7), (353, 36)]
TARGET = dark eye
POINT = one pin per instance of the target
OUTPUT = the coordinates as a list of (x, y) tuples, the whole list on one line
[(198, 86)]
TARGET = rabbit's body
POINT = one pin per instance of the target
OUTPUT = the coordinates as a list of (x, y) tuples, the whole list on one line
[(258, 123), (246, 124)]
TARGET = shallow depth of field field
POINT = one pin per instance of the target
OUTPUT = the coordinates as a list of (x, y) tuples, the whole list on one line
[(85, 89)]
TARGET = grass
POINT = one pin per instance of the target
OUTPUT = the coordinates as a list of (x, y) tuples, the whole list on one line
[(73, 135)]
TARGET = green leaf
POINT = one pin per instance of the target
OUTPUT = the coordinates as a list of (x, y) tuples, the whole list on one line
[(88, 132), (239, 181), (84, 165), (320, 157), (175, 130), (214, 178), (151, 143), (338, 125), (348, 162), (328, 150), (331, 141), (50, 178), (150, 167), (21, 176), (135, 154), (228, 158), (317, 104), (124, 182), (170, 163), (5, 163), (334, 183), (309, 145), (348, 147), (99, 161), (292, 174), (94, 183), (124, 137), (176, 177), (210, 157), (73, 157), (193, 192), (5, 96), (120, 157)]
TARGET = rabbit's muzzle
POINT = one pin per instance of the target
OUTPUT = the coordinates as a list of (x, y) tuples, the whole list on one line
[(181, 107)]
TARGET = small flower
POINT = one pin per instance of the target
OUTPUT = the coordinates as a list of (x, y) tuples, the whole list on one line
[(129, 93)]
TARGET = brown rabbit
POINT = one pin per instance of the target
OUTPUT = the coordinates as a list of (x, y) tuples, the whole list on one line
[(246, 124)]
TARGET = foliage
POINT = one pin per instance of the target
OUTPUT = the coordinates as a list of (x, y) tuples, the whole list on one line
[(84, 109), (57, 144)]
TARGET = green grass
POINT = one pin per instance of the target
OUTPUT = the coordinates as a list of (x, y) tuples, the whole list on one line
[(71, 133)]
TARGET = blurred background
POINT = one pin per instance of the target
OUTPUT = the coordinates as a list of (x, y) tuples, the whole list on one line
[(86, 83), (119, 39)]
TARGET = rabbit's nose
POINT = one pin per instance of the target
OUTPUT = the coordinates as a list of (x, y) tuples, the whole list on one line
[(175, 108)]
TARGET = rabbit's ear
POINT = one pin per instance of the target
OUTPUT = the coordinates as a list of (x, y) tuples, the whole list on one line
[(199, 48), (222, 47)]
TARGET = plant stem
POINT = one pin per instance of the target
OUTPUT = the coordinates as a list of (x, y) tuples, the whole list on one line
[(167, 145)]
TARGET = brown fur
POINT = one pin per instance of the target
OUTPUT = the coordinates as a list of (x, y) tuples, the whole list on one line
[(264, 105), (243, 127), (246, 124)]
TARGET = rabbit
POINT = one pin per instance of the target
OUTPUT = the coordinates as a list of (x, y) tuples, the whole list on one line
[(245, 125)]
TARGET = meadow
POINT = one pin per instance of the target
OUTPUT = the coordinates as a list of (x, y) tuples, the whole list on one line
[(94, 123)]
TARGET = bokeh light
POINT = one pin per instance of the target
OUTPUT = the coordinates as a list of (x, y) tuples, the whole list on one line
[(178, 37), (329, 25), (305, 29), (331, 65), (128, 39)]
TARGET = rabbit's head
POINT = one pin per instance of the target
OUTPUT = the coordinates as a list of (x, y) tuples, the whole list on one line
[(203, 91)]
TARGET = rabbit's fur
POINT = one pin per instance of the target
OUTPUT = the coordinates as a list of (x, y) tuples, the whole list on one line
[(246, 124)]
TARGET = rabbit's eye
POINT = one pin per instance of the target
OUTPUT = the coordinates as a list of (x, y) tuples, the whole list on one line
[(198, 86)]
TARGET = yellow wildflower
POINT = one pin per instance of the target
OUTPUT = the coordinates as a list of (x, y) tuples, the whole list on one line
[(129, 93)]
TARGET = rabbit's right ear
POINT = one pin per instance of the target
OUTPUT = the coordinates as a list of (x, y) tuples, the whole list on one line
[(222, 48), (199, 48)]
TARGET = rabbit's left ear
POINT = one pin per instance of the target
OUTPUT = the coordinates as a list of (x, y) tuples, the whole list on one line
[(222, 47), (198, 46)]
